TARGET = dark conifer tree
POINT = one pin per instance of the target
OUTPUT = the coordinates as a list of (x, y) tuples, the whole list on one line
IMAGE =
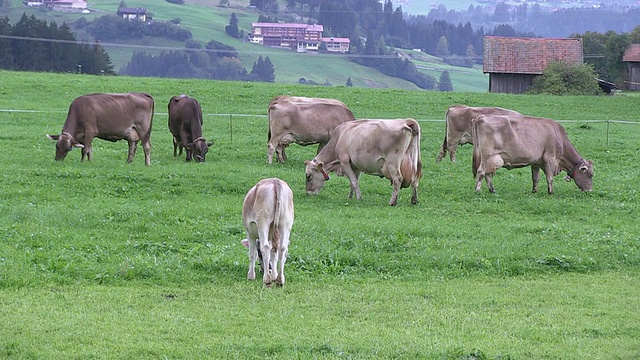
[(232, 28), (444, 83)]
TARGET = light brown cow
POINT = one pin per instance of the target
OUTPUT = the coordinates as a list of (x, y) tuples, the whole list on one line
[(514, 142), (185, 124), (304, 121), (387, 148), (109, 117), (458, 126), (267, 215)]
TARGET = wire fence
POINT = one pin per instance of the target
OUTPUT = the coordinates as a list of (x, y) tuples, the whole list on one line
[(232, 116)]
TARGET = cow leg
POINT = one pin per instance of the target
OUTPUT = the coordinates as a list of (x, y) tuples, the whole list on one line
[(253, 256), (282, 255), (265, 249), (86, 151), (488, 178), (146, 147), (535, 177), (549, 171), (271, 148), (396, 182), (132, 150), (354, 176), (175, 147), (414, 194)]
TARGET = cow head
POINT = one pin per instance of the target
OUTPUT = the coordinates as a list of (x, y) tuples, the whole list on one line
[(316, 176), (199, 148), (64, 143), (582, 174)]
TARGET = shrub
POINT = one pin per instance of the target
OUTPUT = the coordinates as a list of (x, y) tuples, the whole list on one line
[(561, 78)]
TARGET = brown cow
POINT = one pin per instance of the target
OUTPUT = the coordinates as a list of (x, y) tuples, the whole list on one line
[(304, 121), (185, 124), (109, 117), (387, 148), (513, 142), (458, 126), (267, 215)]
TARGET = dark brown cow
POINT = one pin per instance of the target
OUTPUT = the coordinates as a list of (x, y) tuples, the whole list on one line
[(458, 126), (185, 124), (387, 148), (514, 142), (304, 121), (109, 117)]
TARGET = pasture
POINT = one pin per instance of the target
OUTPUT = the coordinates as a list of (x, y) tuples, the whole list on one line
[(107, 260)]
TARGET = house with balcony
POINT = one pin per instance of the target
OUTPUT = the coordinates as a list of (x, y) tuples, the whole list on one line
[(336, 45), (299, 37)]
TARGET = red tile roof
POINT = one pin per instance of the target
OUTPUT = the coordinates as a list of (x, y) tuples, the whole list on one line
[(528, 55), (632, 54)]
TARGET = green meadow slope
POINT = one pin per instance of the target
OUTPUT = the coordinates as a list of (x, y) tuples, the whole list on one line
[(207, 21)]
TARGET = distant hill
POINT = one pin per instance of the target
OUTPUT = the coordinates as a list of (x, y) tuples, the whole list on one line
[(206, 21)]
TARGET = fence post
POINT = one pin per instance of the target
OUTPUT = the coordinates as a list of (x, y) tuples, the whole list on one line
[(231, 127), (608, 122)]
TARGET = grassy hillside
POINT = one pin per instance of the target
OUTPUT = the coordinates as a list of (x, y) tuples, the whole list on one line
[(107, 260), (207, 21)]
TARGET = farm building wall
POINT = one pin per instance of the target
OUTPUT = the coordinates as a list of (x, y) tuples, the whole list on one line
[(510, 83), (634, 76)]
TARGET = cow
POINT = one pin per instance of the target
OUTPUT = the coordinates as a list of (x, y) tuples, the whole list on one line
[(304, 121), (109, 117), (517, 141), (267, 215), (387, 148), (458, 126), (185, 124)]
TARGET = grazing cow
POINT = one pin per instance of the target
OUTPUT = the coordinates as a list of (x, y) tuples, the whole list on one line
[(387, 148), (304, 121), (267, 215), (185, 124), (513, 142), (109, 117), (458, 126)]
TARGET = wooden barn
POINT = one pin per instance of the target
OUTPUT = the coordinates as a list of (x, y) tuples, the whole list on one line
[(513, 63), (632, 58)]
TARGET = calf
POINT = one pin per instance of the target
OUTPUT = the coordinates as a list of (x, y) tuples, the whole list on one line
[(267, 215)]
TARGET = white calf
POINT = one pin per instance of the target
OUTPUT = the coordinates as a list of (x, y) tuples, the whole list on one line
[(267, 215)]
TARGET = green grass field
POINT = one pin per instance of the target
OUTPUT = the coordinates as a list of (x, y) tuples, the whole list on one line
[(107, 260)]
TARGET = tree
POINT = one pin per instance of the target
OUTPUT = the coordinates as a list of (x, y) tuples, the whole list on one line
[(232, 28), (561, 78), (349, 83), (444, 83), (442, 49)]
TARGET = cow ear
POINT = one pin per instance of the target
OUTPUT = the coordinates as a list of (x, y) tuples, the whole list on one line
[(210, 143), (584, 168), (245, 243), (320, 165), (78, 145), (567, 178), (53, 137)]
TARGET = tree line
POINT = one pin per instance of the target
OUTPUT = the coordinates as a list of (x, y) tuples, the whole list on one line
[(52, 48)]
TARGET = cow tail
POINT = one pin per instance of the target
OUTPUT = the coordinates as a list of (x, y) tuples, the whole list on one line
[(475, 162), (414, 155), (146, 137), (269, 130), (446, 130), (277, 214)]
